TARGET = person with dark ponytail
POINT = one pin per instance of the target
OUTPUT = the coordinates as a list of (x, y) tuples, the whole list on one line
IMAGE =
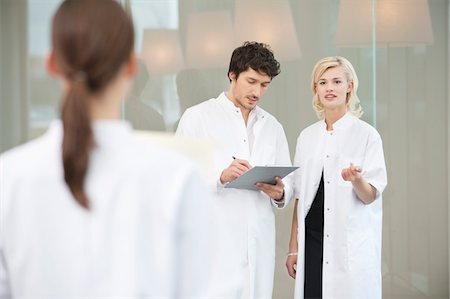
[(88, 210)]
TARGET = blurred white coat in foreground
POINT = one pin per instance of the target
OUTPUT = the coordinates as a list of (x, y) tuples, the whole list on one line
[(146, 233)]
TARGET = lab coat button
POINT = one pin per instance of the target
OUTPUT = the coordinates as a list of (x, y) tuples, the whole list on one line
[(328, 156), (328, 182)]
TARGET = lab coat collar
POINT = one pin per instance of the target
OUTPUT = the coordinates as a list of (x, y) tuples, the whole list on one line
[(342, 123), (105, 131), (229, 106), (111, 131)]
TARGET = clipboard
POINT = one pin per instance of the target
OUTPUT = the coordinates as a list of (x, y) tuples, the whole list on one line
[(260, 174)]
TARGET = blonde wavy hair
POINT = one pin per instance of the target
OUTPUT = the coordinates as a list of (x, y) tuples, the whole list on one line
[(352, 101)]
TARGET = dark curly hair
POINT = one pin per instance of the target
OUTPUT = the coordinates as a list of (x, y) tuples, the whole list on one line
[(257, 56)]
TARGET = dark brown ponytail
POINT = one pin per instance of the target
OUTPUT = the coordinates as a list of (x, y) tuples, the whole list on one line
[(77, 139), (91, 41)]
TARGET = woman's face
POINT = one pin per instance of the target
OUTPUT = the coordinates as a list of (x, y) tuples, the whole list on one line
[(332, 88)]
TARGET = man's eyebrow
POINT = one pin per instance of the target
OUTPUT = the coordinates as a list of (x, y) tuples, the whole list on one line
[(255, 79)]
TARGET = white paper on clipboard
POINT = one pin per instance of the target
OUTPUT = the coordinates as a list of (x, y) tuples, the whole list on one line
[(260, 174)]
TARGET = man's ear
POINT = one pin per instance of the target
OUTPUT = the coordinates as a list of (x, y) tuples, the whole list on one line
[(231, 76), (50, 64)]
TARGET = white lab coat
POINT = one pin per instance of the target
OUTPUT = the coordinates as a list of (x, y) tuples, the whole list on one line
[(352, 230), (248, 249), (144, 235)]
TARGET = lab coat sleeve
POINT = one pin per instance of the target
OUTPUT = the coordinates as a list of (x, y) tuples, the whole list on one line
[(296, 175), (374, 168), (189, 125), (283, 158)]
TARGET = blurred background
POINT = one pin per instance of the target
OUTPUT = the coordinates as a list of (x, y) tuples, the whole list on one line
[(399, 48)]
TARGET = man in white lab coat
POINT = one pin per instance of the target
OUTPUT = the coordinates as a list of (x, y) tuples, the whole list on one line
[(246, 136)]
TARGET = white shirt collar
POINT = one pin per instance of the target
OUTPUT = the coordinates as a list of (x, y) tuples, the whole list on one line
[(229, 106), (341, 123)]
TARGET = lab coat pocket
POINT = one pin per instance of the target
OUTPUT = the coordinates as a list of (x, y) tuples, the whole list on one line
[(361, 250), (344, 162)]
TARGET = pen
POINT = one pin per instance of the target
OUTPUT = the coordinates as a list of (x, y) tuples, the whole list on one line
[(234, 158)]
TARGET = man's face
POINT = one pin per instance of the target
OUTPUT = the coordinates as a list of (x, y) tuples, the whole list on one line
[(248, 88)]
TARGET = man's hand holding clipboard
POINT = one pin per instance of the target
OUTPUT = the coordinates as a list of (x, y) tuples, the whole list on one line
[(241, 175)]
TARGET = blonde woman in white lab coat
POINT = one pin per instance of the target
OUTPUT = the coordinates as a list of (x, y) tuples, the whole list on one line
[(87, 210), (335, 247)]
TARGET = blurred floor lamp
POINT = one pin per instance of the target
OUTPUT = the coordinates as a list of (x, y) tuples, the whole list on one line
[(161, 51), (209, 39), (268, 22), (399, 23)]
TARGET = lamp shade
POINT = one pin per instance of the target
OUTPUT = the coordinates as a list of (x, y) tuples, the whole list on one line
[(161, 51), (268, 22), (209, 39), (399, 23)]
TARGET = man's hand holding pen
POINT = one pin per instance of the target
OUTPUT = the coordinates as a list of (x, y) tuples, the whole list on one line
[(234, 170)]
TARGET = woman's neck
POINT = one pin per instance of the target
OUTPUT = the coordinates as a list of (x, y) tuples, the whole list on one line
[(108, 104), (332, 116)]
